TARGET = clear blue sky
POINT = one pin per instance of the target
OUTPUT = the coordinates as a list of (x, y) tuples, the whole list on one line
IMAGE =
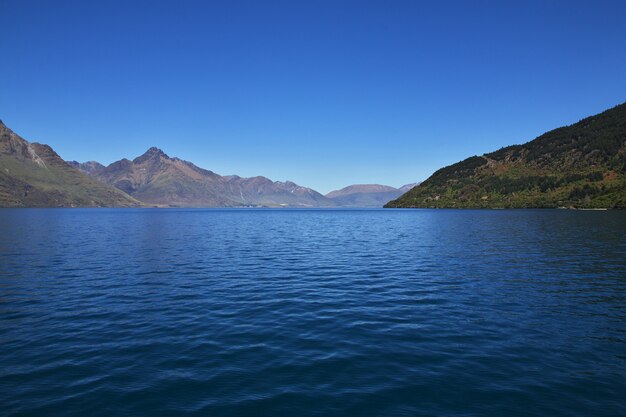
[(324, 93)]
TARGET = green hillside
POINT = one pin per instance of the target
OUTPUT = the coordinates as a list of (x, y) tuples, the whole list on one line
[(581, 166)]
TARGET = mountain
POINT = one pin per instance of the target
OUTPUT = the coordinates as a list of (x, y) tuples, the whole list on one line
[(33, 175), (407, 187), (157, 179), (91, 167), (364, 195), (582, 165)]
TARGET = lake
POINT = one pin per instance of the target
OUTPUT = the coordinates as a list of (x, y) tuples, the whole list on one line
[(250, 312)]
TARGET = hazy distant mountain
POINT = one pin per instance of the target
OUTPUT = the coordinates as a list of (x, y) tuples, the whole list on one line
[(581, 165), (407, 187), (157, 179), (33, 175), (364, 195), (91, 167)]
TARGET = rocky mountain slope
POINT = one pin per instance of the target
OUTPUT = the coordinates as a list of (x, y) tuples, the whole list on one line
[(582, 165), (33, 175), (157, 179)]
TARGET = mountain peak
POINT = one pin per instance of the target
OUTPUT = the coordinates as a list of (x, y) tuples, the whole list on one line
[(151, 153), (155, 151)]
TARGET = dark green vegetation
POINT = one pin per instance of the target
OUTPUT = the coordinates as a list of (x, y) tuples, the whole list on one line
[(33, 175), (580, 166)]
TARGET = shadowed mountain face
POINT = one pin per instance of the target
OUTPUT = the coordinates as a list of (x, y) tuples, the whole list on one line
[(33, 175), (364, 195), (582, 165), (157, 179)]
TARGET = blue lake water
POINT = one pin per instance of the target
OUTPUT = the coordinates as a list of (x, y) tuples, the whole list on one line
[(112, 312)]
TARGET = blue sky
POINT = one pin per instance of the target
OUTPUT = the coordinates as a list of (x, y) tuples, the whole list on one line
[(324, 93)]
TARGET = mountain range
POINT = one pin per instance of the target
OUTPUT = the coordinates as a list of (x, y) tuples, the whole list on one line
[(581, 166), (157, 179), (33, 175)]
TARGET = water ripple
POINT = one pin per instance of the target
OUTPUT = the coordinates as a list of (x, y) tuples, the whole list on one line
[(312, 313)]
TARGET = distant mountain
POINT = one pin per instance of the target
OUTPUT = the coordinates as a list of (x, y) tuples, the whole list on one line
[(582, 165), (91, 167), (33, 175), (364, 195), (157, 179), (407, 187)]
